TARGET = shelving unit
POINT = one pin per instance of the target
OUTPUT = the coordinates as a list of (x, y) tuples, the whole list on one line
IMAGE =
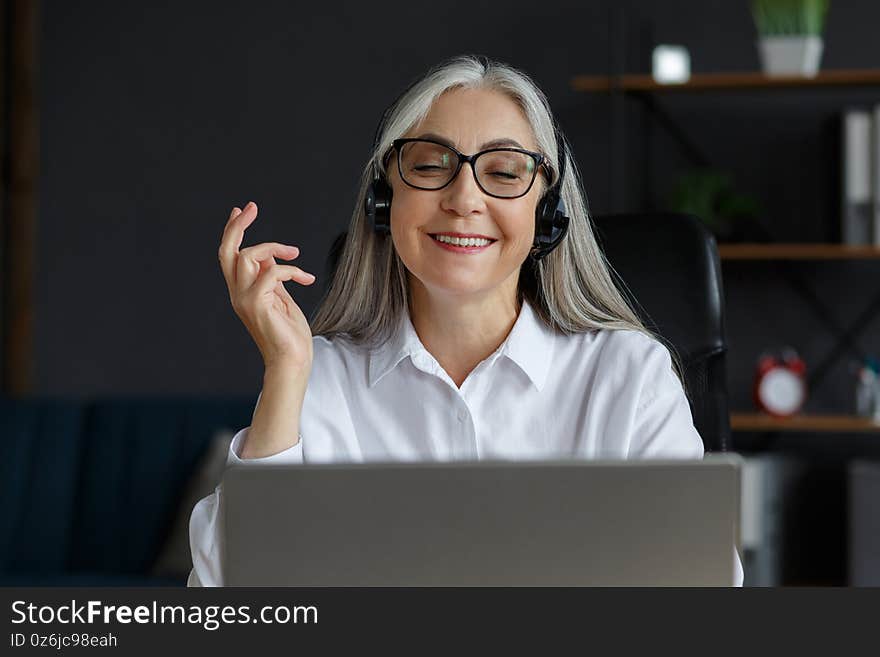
[(797, 252), (760, 422), (726, 81), (644, 89)]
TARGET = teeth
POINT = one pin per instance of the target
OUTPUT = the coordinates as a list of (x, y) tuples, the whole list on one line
[(458, 241)]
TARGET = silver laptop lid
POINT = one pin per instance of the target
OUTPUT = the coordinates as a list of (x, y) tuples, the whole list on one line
[(560, 523)]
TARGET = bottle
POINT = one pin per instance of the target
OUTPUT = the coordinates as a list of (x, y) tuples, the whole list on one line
[(875, 368), (867, 391)]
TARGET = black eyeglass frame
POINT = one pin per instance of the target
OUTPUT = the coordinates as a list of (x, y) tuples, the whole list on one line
[(539, 159)]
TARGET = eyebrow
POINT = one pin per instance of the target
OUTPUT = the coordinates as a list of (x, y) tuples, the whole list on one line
[(495, 143)]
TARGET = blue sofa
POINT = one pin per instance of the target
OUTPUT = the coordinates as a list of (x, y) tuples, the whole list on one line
[(90, 489)]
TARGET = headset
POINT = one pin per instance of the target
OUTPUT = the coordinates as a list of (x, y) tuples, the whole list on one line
[(551, 219)]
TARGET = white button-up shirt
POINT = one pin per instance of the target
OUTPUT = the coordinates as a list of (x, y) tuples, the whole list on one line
[(605, 394)]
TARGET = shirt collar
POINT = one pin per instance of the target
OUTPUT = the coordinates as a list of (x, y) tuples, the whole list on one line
[(529, 344)]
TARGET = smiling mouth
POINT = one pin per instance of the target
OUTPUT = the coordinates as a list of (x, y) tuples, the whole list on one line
[(462, 242)]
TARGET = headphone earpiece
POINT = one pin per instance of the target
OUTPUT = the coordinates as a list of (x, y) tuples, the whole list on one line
[(551, 223), (377, 206), (551, 216)]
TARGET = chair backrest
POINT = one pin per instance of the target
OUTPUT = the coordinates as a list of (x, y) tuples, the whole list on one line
[(667, 266)]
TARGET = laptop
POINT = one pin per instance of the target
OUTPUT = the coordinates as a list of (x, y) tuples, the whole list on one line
[(483, 523)]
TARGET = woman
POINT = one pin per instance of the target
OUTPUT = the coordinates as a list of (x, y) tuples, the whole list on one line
[(452, 337)]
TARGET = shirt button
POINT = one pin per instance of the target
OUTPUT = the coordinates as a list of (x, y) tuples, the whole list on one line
[(462, 416)]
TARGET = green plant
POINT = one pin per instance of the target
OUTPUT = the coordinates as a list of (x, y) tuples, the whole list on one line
[(789, 17), (710, 195)]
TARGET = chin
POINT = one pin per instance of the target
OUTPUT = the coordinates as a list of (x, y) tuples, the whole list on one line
[(452, 287)]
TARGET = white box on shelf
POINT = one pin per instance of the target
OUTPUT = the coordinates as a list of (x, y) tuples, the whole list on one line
[(671, 64)]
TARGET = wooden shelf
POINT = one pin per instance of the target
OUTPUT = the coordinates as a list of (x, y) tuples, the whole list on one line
[(727, 81), (838, 423), (796, 252)]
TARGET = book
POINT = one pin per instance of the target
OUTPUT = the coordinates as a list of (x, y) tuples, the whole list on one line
[(875, 175), (857, 204)]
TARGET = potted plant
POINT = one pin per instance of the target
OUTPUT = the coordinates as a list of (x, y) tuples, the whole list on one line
[(710, 195), (790, 35)]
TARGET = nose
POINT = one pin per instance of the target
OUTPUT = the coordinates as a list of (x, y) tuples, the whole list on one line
[(463, 196)]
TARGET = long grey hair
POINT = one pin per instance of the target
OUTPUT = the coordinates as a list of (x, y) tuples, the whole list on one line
[(571, 289)]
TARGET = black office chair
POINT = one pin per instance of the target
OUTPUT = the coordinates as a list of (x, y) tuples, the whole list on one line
[(671, 275)]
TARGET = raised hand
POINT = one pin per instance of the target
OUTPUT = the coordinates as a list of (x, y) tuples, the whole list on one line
[(259, 298)]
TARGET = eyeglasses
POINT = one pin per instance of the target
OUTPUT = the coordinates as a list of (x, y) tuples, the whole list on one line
[(499, 172)]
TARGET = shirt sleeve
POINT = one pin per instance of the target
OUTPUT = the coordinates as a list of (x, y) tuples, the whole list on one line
[(663, 426), (291, 455), (738, 575), (206, 541), (193, 579), (205, 525), (325, 424)]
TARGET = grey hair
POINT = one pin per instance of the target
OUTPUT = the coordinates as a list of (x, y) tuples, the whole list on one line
[(571, 289)]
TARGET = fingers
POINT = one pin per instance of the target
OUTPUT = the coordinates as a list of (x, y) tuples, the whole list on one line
[(254, 260), (233, 234), (263, 251), (255, 265), (278, 274)]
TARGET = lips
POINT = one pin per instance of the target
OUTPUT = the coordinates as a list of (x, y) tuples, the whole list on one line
[(461, 249)]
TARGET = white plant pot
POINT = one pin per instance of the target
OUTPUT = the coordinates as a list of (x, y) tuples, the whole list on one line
[(790, 55)]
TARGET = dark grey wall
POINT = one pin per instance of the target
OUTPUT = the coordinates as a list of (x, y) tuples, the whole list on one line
[(157, 119)]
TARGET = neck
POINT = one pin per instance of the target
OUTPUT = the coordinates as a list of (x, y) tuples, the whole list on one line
[(461, 331)]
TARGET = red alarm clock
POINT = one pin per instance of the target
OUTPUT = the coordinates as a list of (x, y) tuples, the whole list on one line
[(780, 383)]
